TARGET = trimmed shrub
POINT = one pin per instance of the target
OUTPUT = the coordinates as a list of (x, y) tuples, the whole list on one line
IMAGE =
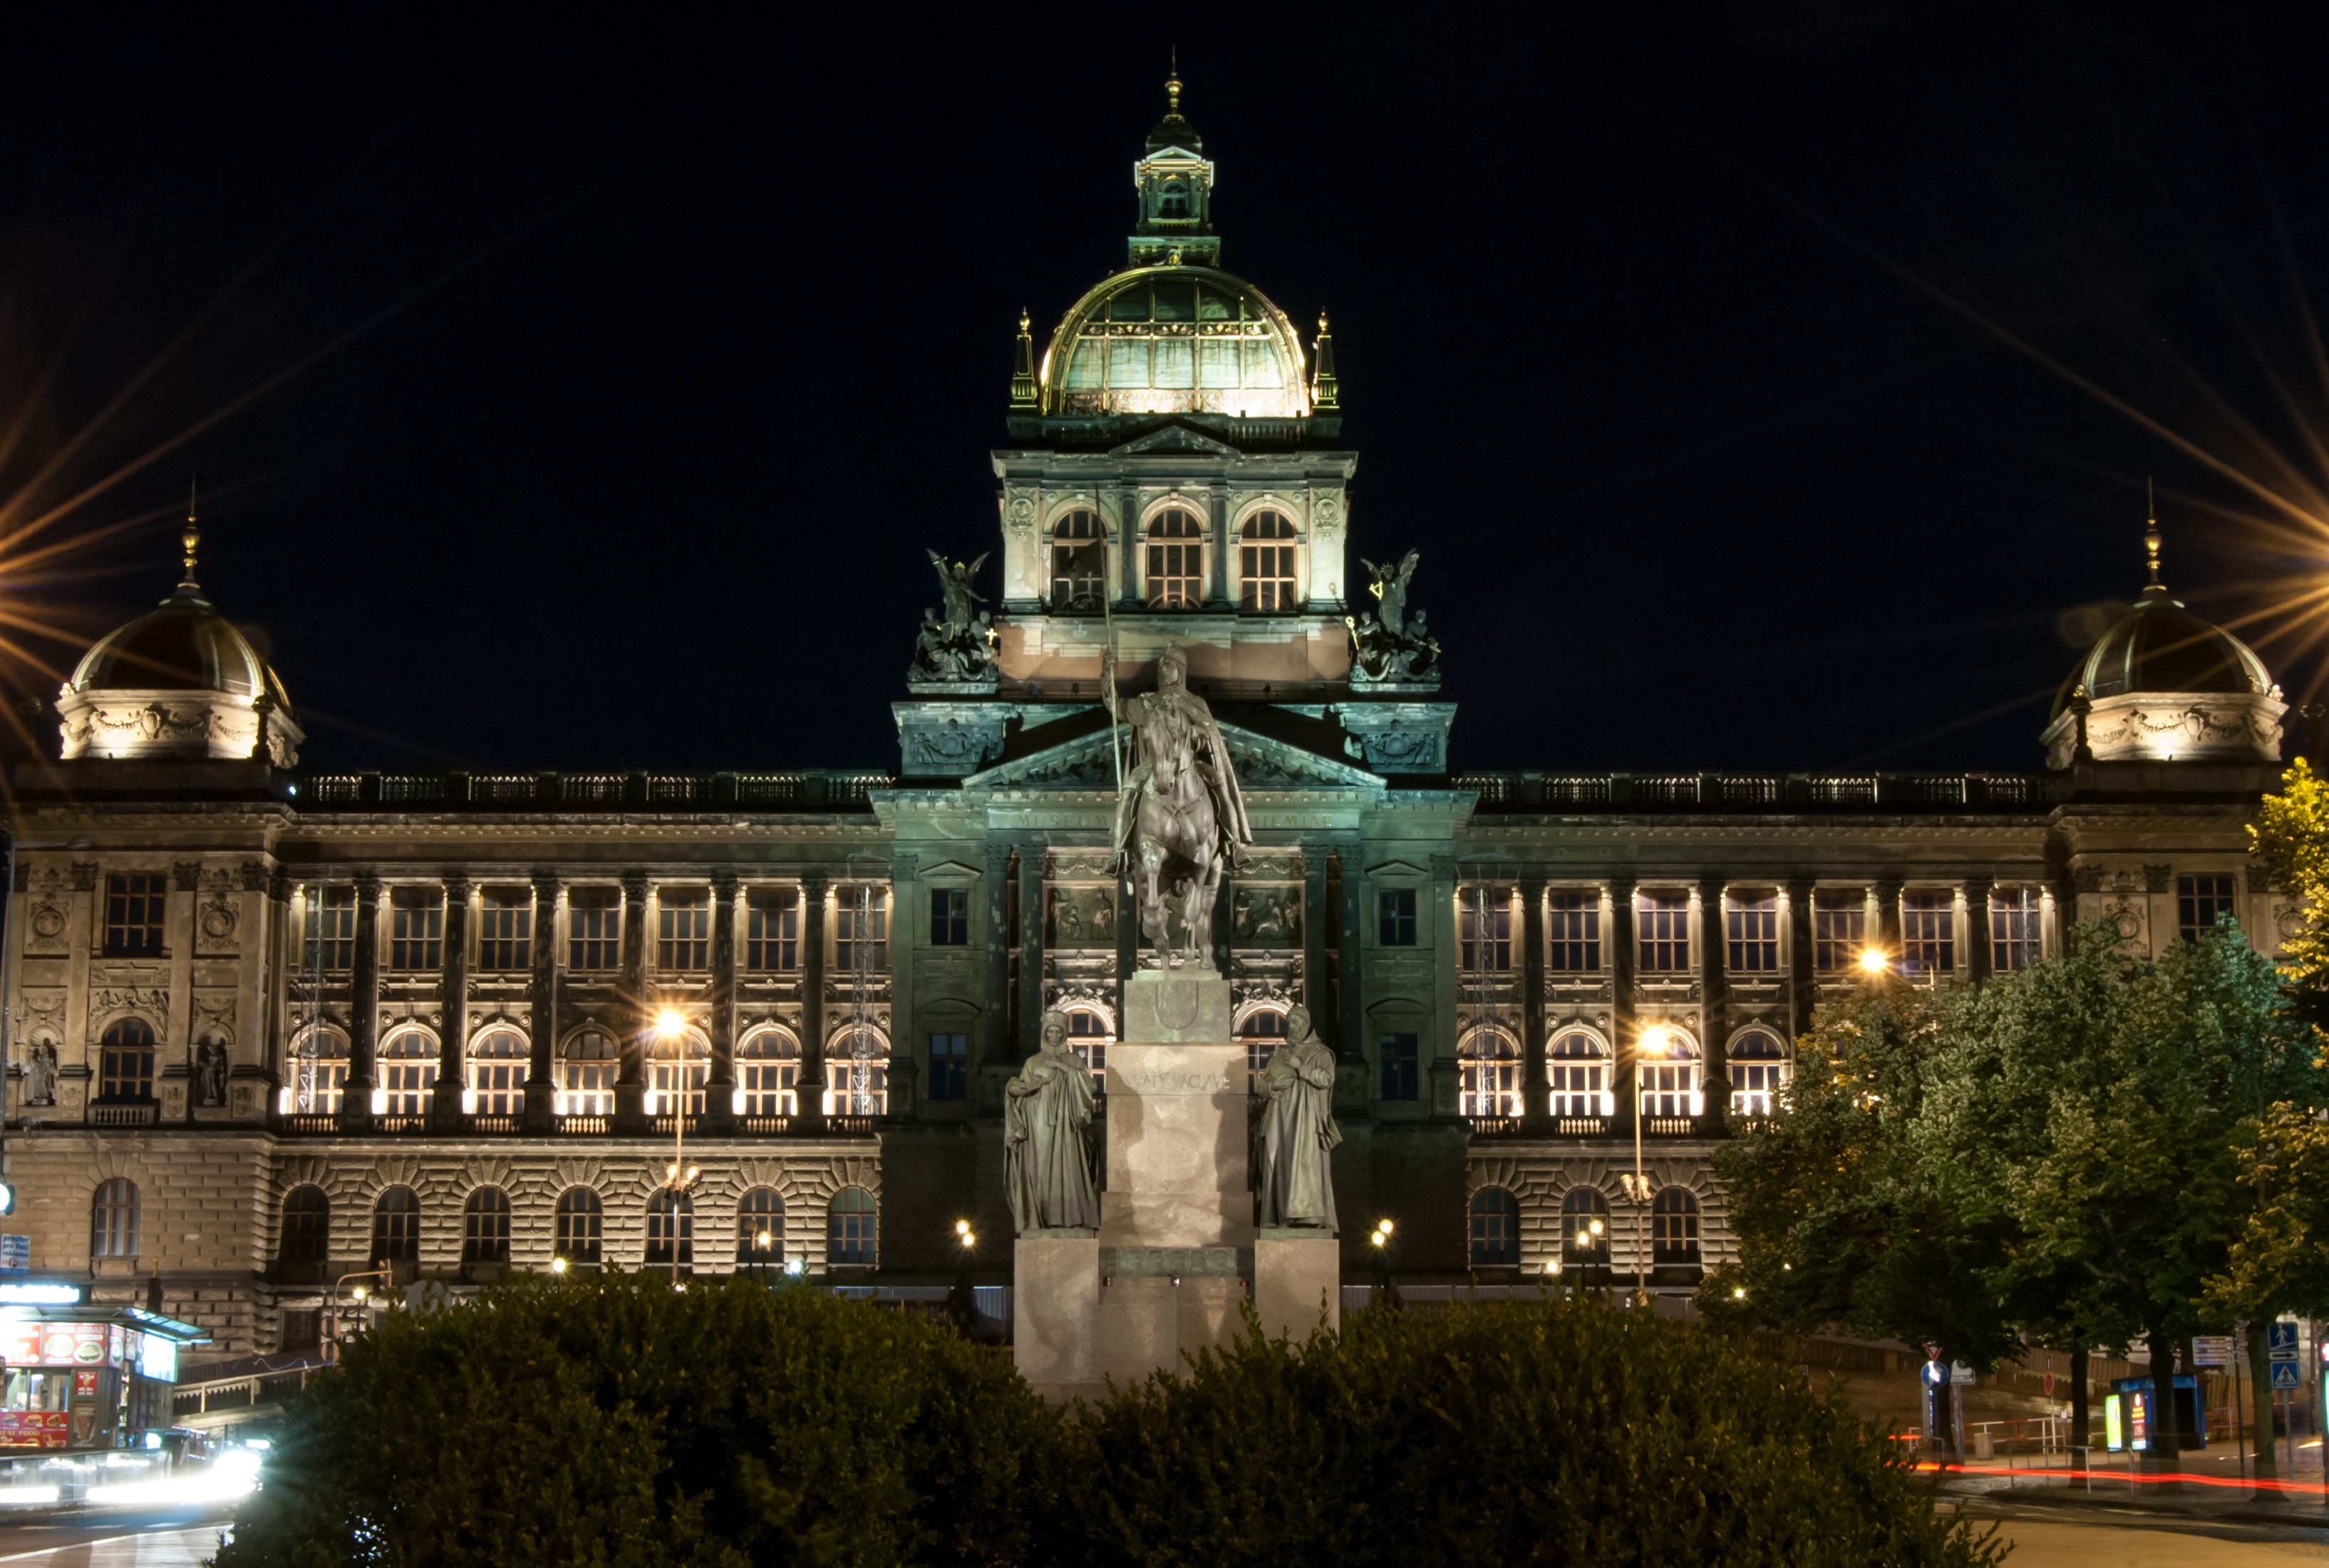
[(1563, 1433), (615, 1421)]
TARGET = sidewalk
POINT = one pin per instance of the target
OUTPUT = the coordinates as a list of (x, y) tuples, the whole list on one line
[(2211, 1483)]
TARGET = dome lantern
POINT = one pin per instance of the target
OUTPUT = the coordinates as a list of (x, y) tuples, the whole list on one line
[(2166, 685)]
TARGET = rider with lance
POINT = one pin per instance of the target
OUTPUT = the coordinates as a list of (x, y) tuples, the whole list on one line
[(1179, 808)]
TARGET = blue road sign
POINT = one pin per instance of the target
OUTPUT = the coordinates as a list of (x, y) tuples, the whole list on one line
[(2281, 1338), (2283, 1376), (15, 1254)]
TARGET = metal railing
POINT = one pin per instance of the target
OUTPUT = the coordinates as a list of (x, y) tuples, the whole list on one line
[(806, 789), (1528, 791)]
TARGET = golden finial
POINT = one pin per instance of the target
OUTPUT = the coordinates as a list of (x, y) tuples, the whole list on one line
[(2151, 534), (190, 537), (1173, 84), (1022, 319)]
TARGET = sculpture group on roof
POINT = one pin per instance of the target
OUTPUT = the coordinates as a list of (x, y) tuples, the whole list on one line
[(955, 646), (1389, 644)]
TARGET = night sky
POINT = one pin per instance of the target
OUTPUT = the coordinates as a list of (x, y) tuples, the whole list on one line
[(592, 387)]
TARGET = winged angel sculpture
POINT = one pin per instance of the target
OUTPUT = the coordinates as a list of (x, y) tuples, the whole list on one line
[(956, 644), (1389, 644)]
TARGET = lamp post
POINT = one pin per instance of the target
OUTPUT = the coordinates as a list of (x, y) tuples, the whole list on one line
[(1650, 1044), (680, 1179), (332, 1329), (1385, 1293), (962, 1300)]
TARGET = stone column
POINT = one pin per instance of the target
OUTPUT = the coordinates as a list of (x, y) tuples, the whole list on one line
[(1977, 933), (541, 1058), (1351, 1016), (453, 1035), (812, 1079), (720, 1088), (1888, 919), (1715, 1012), (1622, 1029), (1031, 949), (630, 1017), (1217, 524), (363, 1006), (1313, 943), (1803, 974), (1536, 1089), (992, 1044)]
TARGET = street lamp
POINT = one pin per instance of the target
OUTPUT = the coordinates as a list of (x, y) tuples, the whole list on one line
[(1650, 1045), (1873, 961), (332, 1326), (680, 1177)]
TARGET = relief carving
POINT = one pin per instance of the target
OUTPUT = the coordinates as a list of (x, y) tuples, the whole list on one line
[(216, 920), (105, 1002), (47, 922), (1267, 917), (1083, 917)]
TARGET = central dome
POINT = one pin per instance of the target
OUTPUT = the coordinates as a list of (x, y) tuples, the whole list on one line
[(1164, 340), (186, 646), (2160, 647)]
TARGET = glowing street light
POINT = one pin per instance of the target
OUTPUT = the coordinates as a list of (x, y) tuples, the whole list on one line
[(558, 1265), (670, 1024), (1873, 961)]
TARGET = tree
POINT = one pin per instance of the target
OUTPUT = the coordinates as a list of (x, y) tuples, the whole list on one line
[(1848, 1212)]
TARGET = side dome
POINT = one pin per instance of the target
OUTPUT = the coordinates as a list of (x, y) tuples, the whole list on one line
[(2165, 684), (1175, 339), (177, 682)]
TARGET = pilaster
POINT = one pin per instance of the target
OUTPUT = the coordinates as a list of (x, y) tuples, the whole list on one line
[(1803, 975), (1715, 1017), (1536, 1089), (453, 1032), (1977, 890), (364, 1008), (630, 1080), (811, 1119), (1625, 1042), (720, 1025), (1032, 857), (549, 953)]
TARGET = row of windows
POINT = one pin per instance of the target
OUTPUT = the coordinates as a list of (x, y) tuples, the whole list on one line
[(594, 929), (485, 1224), (1174, 562), (1495, 1228), (1840, 932)]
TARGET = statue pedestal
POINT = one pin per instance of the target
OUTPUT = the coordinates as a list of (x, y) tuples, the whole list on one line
[(1298, 1274), (1055, 1315)]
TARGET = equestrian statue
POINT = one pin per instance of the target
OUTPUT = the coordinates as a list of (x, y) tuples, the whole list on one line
[(1180, 822)]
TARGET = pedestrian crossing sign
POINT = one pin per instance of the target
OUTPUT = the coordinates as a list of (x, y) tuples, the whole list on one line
[(2283, 1376)]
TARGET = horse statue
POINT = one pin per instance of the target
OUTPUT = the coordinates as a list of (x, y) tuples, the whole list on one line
[(1179, 821)]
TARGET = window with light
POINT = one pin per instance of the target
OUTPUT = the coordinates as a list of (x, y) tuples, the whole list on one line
[(586, 1075), (135, 905), (1088, 1038), (1668, 1070), (1266, 563), (1572, 927), (319, 1072), (124, 1062), (860, 931), (677, 1071), (1577, 1065), (497, 1064), (1839, 928), (1753, 920), (767, 1074), (1490, 1068), (760, 1227), (1663, 934), (1078, 564), (1484, 930), (857, 1075), (1262, 1030), (330, 929), (505, 928), (407, 1074), (1176, 560), (1759, 1071), (113, 1219), (2016, 934), (1584, 1228), (1928, 932)]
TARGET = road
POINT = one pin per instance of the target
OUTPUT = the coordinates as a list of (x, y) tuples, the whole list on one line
[(179, 1538), (2056, 1537)]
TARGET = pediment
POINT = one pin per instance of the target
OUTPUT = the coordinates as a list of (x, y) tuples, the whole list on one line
[(1261, 763), (1175, 438), (950, 871)]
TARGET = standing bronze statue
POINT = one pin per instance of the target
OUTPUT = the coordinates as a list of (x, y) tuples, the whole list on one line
[(1045, 1163), (1180, 820), (1293, 1145)]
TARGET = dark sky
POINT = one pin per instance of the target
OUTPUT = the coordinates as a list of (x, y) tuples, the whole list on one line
[(626, 366)]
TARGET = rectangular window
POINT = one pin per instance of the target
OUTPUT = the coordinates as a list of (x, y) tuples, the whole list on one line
[(1754, 931), (773, 932), (2199, 900), (861, 930), (950, 1067), (1665, 935), (949, 917), (133, 913), (1572, 923), (594, 929), (505, 928), (1484, 930), (1839, 928), (2014, 938), (1174, 575), (683, 929), (1395, 917), (1928, 932), (331, 936), (1266, 577), (416, 929), (1402, 1078)]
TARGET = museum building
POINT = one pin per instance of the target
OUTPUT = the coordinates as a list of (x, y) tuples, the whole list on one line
[(273, 1027)]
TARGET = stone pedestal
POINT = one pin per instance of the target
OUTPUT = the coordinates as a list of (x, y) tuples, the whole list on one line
[(1298, 1274), (1055, 1315)]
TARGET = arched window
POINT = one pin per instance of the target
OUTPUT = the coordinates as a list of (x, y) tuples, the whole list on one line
[(1669, 1073), (1584, 1228), (1078, 564), (1673, 1227), (1491, 1070), (677, 1070), (486, 1227), (1262, 1030), (586, 1075), (1088, 1038), (581, 1225), (1759, 1071), (849, 1227), (306, 1226), (760, 1227), (319, 1072), (1173, 201), (671, 1228), (1266, 563), (113, 1219), (407, 1074), (767, 1074), (396, 1227), (125, 1070), (1176, 560), (497, 1062), (1578, 1067), (857, 1074), (1496, 1227)]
